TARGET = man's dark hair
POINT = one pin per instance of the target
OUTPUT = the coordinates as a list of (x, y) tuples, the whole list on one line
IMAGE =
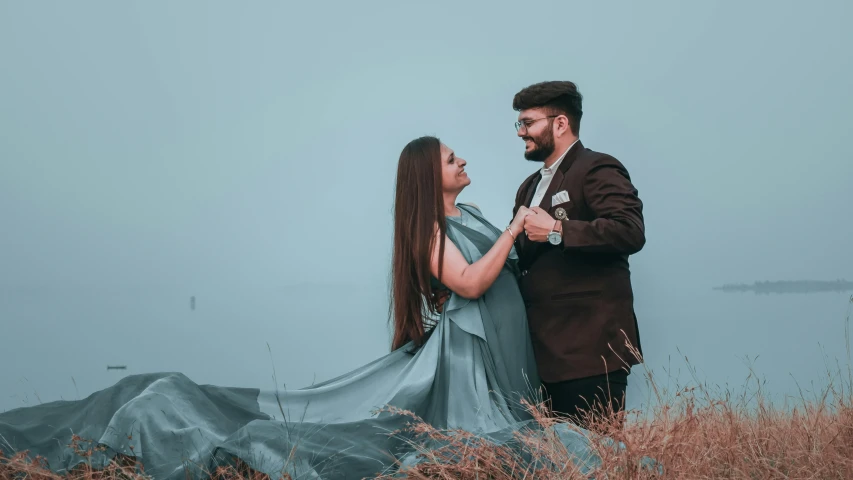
[(560, 97)]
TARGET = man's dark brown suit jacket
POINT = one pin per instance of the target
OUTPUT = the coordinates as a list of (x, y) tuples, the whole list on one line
[(578, 294)]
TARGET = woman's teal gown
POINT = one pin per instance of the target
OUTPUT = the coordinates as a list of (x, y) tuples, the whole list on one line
[(470, 374)]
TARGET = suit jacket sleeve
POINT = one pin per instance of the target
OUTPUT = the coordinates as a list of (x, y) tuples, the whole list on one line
[(618, 224), (518, 199)]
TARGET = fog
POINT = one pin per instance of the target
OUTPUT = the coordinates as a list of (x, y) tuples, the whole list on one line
[(244, 155)]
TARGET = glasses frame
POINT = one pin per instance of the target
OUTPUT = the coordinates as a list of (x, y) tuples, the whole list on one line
[(528, 123)]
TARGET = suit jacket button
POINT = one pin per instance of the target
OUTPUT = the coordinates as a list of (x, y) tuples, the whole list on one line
[(524, 272)]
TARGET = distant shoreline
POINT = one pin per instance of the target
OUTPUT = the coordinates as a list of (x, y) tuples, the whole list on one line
[(789, 286)]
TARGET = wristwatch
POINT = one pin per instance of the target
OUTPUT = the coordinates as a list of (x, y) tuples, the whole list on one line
[(555, 237)]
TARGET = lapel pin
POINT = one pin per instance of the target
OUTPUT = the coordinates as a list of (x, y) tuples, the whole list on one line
[(560, 213)]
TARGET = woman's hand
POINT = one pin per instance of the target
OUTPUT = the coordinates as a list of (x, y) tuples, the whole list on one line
[(517, 224)]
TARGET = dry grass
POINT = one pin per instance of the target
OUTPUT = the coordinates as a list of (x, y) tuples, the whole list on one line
[(21, 466), (693, 432)]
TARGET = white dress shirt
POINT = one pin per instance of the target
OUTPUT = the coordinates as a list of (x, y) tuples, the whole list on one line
[(547, 176)]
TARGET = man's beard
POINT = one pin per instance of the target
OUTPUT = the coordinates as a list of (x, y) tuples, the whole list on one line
[(543, 147)]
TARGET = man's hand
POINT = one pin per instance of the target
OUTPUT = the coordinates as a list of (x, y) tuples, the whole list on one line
[(539, 225)]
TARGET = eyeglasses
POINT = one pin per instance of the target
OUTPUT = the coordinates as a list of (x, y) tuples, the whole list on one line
[(528, 123)]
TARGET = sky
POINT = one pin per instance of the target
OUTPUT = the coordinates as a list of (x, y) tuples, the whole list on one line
[(245, 154)]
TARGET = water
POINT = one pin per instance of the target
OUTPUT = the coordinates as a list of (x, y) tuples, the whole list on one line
[(794, 342), (53, 339), (56, 343)]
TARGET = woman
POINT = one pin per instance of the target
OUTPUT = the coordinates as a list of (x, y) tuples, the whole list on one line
[(467, 367)]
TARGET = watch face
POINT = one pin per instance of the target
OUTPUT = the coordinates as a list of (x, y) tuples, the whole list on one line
[(554, 238)]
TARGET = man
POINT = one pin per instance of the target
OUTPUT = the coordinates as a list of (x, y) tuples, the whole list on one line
[(575, 278)]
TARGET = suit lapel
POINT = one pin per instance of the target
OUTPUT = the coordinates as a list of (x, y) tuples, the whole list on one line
[(571, 156), (557, 181), (531, 188)]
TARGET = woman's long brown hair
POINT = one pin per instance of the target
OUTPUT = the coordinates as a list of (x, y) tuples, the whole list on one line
[(418, 207)]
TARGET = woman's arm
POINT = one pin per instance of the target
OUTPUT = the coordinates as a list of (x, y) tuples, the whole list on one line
[(472, 280)]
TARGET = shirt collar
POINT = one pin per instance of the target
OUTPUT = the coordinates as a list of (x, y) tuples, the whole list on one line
[(556, 165)]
